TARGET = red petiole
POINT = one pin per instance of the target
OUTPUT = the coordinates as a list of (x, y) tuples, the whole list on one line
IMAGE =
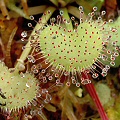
[(91, 90)]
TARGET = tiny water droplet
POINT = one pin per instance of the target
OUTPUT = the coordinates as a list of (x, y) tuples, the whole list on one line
[(43, 71), (41, 106), (107, 67), (95, 8), (38, 95), (35, 71), (22, 39), (49, 12), (66, 73), (31, 17), (104, 70), (72, 18), (99, 18), (85, 81), (113, 29), (61, 12), (23, 47), (50, 78), (28, 103), (110, 21), (104, 74), (58, 81), (29, 24), (31, 59), (44, 91), (103, 12), (77, 84), (56, 75), (81, 8), (52, 20), (68, 83), (116, 54), (44, 79), (92, 13), (74, 81), (39, 112), (94, 75)]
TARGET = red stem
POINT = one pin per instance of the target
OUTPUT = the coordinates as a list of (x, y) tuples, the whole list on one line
[(91, 90)]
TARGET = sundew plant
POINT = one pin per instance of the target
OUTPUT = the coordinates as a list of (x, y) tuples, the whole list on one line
[(59, 49)]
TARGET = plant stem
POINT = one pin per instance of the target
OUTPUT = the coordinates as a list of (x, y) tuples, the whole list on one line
[(55, 2), (91, 90), (28, 48), (63, 3), (66, 16), (11, 5), (74, 11)]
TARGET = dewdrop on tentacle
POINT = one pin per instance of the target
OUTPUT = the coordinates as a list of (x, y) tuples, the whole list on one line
[(70, 52), (114, 46)]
